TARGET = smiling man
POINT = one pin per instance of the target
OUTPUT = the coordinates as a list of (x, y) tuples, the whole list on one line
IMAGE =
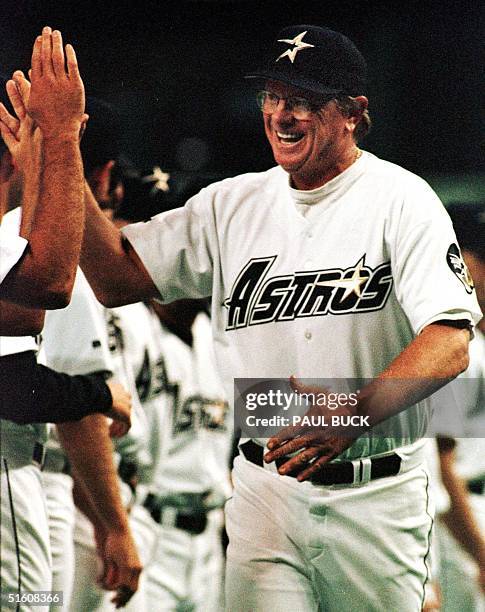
[(334, 264)]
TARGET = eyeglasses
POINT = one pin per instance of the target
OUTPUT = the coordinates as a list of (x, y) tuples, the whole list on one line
[(301, 108)]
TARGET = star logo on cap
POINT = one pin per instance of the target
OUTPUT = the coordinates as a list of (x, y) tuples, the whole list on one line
[(159, 179), (298, 43)]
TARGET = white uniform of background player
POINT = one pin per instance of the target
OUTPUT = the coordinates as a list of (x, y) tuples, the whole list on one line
[(191, 474), (134, 321), (256, 245), (24, 529), (456, 571), (75, 342), (87, 595)]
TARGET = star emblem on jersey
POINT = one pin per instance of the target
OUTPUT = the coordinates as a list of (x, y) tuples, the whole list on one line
[(298, 45), (459, 267), (351, 285), (159, 179)]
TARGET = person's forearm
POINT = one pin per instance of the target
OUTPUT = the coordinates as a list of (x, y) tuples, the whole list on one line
[(33, 393), (30, 195), (45, 275), (459, 518), (122, 279), (84, 503), (434, 358), (90, 452), (58, 224), (17, 320)]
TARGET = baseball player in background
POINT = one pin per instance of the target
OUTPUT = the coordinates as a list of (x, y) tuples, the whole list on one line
[(334, 264), (106, 556), (190, 432), (460, 528)]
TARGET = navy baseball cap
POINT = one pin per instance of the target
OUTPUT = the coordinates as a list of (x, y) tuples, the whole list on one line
[(147, 195), (101, 142), (469, 223), (316, 59)]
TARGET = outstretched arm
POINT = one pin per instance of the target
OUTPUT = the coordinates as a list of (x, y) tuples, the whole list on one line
[(460, 518), (45, 274), (90, 451), (122, 278)]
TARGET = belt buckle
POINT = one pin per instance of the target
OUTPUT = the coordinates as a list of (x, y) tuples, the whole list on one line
[(361, 471), (168, 516)]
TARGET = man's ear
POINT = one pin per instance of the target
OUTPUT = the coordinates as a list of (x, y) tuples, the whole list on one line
[(99, 181), (6, 166), (360, 105)]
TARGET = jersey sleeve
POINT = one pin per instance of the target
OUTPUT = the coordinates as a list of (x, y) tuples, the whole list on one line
[(75, 338), (176, 249), (432, 282), (12, 246)]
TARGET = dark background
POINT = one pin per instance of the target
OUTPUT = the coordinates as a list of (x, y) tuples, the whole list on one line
[(175, 70)]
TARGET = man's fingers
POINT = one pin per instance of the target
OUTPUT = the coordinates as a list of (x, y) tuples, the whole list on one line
[(296, 385), (122, 597), (299, 461), (118, 429), (46, 52), (12, 123), (72, 66), (315, 467), (17, 102), (8, 138), (36, 71), (23, 85), (58, 60), (287, 448), (110, 578), (300, 388)]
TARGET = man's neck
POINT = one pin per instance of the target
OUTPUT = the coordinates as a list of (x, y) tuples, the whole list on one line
[(307, 181)]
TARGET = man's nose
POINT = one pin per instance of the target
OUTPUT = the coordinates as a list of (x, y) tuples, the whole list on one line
[(283, 112)]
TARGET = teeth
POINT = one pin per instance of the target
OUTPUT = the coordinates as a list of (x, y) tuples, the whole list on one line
[(289, 137)]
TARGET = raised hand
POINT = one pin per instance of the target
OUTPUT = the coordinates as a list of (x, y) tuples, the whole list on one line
[(19, 132), (56, 101)]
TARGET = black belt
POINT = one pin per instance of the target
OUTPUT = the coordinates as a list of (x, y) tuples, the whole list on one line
[(476, 485), (38, 455), (332, 473), (193, 523)]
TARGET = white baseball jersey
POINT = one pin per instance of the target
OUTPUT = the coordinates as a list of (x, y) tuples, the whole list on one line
[(12, 435), (75, 338), (11, 251), (196, 435), (24, 532), (122, 332), (12, 246), (75, 342), (329, 283)]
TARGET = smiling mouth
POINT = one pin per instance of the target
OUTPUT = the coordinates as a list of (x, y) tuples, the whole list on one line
[(288, 138)]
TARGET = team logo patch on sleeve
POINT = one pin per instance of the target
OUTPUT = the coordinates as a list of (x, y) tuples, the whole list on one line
[(458, 267)]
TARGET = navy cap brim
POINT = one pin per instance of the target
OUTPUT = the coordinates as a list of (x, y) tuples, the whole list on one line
[(268, 75)]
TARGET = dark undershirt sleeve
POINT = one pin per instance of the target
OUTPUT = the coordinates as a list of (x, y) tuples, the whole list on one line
[(33, 393)]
